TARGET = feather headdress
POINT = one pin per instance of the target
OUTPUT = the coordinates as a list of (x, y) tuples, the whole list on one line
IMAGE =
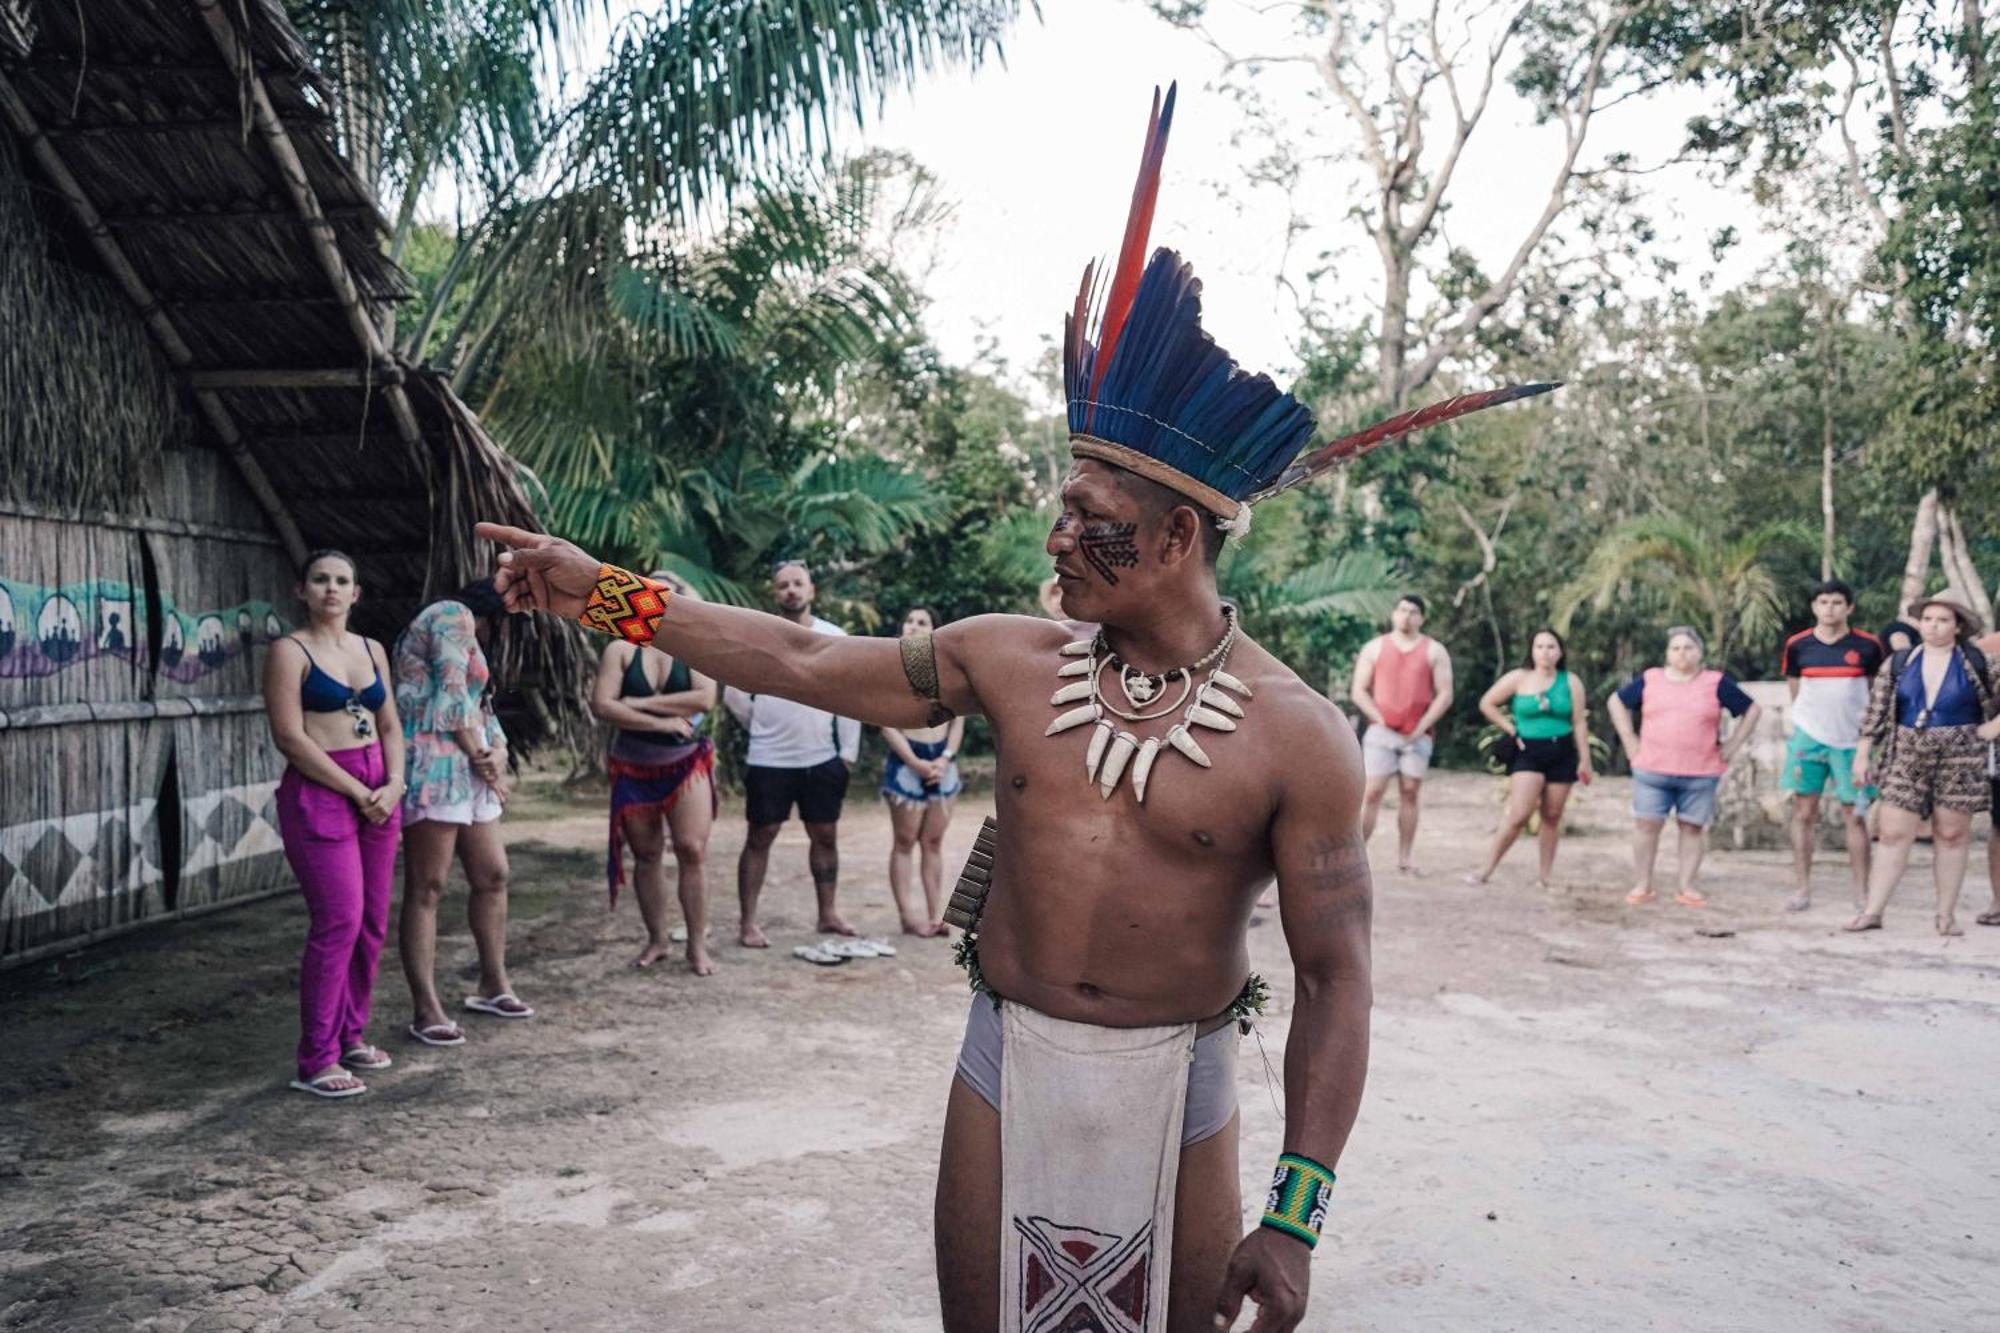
[(1149, 391)]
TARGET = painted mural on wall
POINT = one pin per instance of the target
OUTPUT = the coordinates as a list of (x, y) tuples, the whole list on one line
[(45, 630)]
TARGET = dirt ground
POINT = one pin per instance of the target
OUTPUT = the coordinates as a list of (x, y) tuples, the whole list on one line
[(1580, 1116)]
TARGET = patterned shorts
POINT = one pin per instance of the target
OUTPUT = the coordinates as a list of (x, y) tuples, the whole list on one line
[(1941, 768)]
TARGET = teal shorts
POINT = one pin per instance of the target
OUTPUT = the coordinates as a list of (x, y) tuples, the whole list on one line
[(1810, 765)]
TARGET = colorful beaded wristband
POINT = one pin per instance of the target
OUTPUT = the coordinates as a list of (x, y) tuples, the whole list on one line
[(625, 605), (1301, 1193)]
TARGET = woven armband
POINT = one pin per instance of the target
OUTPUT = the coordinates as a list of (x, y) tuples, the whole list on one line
[(920, 669), (625, 605), (1301, 1193)]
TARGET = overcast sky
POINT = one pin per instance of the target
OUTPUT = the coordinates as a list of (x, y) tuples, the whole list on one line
[(1038, 157), (1010, 145)]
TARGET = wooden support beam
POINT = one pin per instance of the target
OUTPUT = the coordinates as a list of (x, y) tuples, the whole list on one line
[(319, 377), (138, 523), (318, 229), (244, 212), (16, 112), (96, 129)]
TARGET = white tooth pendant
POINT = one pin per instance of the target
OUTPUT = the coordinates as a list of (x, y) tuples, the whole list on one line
[(1180, 740), (1081, 648), (1098, 740), (1075, 717), (1074, 669), (1208, 717), (1220, 702), (1070, 693), (1114, 763), (1142, 767), (1229, 682)]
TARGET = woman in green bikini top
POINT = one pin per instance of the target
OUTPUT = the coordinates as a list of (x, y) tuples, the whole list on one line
[(1545, 712)]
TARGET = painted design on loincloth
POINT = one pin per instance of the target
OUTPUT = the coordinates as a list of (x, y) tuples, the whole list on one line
[(1075, 1280)]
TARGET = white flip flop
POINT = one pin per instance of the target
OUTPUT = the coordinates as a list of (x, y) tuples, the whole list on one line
[(372, 1058), (814, 953), (317, 1086), (882, 947), (457, 1037), (842, 946), (483, 1004)]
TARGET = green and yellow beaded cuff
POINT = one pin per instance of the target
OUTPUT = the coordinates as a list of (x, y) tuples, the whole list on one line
[(625, 605), (1301, 1193)]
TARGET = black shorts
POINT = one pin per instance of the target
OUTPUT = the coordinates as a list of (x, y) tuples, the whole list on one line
[(770, 793), (1554, 757)]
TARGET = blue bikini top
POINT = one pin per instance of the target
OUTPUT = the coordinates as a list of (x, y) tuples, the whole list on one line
[(321, 693)]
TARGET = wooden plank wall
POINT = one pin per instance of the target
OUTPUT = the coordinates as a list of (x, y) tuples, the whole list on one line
[(136, 770)]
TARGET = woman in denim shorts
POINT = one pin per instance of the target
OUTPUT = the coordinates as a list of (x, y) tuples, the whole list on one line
[(1669, 719)]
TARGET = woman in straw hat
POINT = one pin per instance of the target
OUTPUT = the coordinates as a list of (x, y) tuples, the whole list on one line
[(1930, 715)]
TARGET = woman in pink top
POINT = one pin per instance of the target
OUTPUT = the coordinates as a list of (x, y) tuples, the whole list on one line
[(1678, 757)]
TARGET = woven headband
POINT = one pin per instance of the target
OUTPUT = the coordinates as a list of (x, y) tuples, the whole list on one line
[(1230, 515)]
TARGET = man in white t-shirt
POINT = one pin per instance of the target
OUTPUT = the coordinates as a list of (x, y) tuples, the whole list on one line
[(798, 756)]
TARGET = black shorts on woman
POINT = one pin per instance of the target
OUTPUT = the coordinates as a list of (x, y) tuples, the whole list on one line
[(1554, 757)]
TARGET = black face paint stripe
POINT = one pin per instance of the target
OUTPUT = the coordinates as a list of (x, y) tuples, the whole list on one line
[(1109, 546)]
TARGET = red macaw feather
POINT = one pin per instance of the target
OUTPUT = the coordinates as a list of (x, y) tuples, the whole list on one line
[(1348, 447), (1138, 226)]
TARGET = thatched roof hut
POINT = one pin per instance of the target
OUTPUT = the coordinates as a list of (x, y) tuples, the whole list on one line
[(195, 389)]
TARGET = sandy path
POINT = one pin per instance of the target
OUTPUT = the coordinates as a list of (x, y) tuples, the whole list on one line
[(1580, 1117)]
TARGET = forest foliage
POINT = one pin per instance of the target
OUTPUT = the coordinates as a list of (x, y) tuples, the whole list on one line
[(701, 335)]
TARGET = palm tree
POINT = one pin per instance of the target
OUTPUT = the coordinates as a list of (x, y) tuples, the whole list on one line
[(1721, 584), (690, 105), (686, 418)]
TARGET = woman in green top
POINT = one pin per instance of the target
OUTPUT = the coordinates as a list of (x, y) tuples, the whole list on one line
[(1547, 720)]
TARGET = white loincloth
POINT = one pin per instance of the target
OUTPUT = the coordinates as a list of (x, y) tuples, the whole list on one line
[(1090, 1134)]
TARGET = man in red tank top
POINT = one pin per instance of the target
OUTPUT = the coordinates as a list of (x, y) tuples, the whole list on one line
[(1402, 685)]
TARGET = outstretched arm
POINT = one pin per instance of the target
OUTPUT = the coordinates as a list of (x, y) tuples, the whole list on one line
[(1325, 901), (852, 676)]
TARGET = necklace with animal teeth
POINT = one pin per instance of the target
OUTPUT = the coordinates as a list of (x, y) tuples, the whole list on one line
[(1111, 749)]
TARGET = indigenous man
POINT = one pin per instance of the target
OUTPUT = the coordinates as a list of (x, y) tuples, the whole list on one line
[(1176, 767), (799, 755), (1828, 669), (1402, 685)]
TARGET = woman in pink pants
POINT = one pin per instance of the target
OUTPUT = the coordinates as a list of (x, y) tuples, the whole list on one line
[(339, 803)]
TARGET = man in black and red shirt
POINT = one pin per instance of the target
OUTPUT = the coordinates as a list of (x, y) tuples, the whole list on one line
[(1828, 668)]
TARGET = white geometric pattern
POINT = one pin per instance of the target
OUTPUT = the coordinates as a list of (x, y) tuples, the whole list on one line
[(46, 863), (232, 823)]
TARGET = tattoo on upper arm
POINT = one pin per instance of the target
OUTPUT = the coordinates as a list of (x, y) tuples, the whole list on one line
[(1110, 546), (1336, 867)]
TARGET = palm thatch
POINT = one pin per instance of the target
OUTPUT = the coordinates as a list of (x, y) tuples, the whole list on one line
[(183, 155)]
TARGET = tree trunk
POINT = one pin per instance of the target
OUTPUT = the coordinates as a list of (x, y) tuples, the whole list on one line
[(1917, 568), (1393, 337), (1826, 446), (1960, 570)]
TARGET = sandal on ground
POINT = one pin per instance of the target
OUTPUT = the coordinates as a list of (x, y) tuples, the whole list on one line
[(438, 1034), (1689, 898), (1988, 918), (882, 947), (1640, 897), (841, 947), (1865, 921), (328, 1084), (367, 1057), (814, 953), (1947, 926), (504, 1005)]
